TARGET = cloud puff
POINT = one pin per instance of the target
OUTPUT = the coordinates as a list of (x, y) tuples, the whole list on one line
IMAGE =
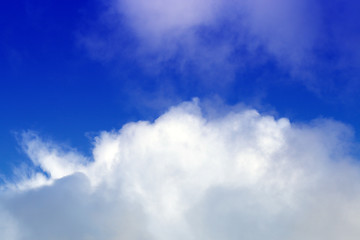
[(191, 174)]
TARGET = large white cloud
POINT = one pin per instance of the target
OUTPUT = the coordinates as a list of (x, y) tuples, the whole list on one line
[(191, 174)]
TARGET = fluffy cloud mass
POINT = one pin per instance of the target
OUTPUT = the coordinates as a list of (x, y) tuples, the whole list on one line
[(191, 174)]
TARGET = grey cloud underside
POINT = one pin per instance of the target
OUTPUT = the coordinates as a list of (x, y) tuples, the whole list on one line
[(68, 209), (191, 176)]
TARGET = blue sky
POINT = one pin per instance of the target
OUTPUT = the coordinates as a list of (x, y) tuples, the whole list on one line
[(72, 71), (70, 68)]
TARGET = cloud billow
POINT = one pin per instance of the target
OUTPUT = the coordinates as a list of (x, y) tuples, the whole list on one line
[(191, 175)]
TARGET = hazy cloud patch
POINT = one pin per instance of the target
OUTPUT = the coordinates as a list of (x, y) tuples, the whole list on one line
[(210, 44)]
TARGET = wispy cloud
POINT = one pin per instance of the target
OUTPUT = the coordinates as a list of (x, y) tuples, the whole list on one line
[(284, 29), (192, 174), (213, 41)]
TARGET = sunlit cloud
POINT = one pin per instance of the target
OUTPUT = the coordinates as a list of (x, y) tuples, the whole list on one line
[(191, 174)]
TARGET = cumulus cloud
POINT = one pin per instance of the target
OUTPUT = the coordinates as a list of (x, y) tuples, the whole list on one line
[(191, 174)]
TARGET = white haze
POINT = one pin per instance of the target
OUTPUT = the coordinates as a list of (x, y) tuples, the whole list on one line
[(189, 175), (286, 31)]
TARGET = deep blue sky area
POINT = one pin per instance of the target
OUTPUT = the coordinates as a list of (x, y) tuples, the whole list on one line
[(51, 83)]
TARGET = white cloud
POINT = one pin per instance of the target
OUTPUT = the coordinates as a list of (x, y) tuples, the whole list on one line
[(192, 175), (216, 44), (159, 18), (203, 32)]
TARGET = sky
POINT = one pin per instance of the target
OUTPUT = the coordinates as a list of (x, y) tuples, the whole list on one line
[(179, 119)]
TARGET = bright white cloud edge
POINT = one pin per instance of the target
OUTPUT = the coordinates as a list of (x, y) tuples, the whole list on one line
[(188, 175)]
